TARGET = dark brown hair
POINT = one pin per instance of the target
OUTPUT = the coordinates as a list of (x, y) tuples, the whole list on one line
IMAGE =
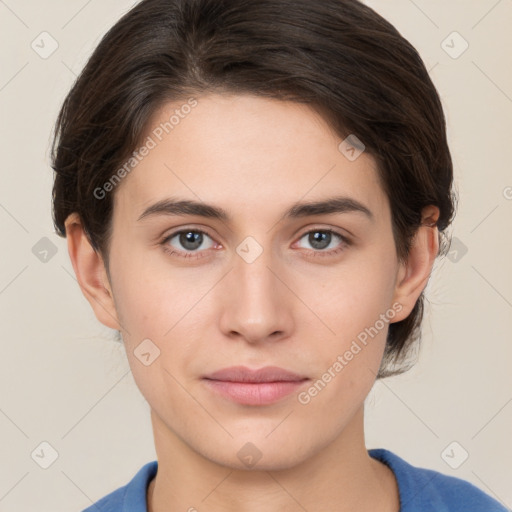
[(339, 56)]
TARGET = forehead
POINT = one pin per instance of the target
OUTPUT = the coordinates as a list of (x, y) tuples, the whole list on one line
[(247, 152)]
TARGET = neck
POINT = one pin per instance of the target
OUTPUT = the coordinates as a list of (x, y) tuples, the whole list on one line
[(340, 477)]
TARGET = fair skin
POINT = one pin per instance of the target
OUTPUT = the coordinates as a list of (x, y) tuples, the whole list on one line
[(291, 307)]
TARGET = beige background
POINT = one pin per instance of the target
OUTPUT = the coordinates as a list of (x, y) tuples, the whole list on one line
[(65, 382)]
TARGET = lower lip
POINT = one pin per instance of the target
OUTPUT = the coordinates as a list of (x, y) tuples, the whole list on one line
[(254, 393)]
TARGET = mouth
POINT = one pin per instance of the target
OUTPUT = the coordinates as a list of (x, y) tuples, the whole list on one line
[(254, 387)]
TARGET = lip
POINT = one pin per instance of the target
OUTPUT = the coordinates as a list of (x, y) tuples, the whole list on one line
[(263, 386)]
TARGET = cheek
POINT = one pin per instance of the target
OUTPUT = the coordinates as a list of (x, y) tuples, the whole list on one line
[(356, 307), (353, 298), (355, 303), (152, 308), (150, 296), (162, 311)]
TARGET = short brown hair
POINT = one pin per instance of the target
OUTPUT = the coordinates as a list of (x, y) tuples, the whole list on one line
[(339, 56)]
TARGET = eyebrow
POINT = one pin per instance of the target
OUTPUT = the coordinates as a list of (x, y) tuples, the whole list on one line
[(174, 206)]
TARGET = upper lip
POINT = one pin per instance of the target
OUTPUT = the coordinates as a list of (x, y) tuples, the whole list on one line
[(265, 374)]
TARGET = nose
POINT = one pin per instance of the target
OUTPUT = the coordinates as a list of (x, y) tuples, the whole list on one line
[(256, 304)]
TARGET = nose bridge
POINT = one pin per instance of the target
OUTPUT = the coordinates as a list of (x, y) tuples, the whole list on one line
[(255, 277), (254, 280), (255, 306)]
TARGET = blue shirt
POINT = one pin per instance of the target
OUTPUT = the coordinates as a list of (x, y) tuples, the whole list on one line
[(420, 489)]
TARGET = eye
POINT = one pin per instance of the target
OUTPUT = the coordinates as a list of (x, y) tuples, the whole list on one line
[(325, 242), (187, 242)]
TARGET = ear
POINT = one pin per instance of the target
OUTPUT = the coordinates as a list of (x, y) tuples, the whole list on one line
[(413, 274), (90, 272)]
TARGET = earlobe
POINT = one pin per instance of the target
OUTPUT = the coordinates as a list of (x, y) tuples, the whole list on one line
[(414, 273), (90, 272)]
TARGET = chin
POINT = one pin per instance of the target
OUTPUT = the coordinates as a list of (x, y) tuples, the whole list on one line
[(259, 455)]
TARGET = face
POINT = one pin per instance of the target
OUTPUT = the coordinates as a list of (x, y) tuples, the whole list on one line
[(310, 291)]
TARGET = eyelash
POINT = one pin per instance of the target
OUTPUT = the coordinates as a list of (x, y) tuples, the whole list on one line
[(197, 254)]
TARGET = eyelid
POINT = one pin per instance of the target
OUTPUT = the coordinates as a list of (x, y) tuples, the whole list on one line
[(176, 231), (336, 230)]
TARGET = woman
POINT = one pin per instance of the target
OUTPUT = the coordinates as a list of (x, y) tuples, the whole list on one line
[(254, 194)]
